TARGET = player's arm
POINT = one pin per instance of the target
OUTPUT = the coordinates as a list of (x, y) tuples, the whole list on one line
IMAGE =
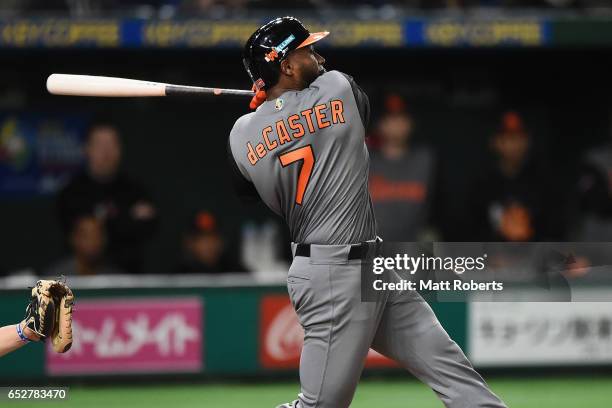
[(244, 188), (15, 336), (362, 100)]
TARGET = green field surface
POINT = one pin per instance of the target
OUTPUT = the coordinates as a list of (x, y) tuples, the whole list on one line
[(574, 392)]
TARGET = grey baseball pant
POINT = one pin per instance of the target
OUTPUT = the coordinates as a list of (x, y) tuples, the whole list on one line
[(325, 290)]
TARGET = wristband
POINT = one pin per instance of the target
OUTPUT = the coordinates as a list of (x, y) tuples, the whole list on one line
[(21, 335)]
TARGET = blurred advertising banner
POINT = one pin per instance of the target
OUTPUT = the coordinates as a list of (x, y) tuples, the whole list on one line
[(232, 33), (540, 333), (281, 336), (150, 335), (478, 32), (38, 153)]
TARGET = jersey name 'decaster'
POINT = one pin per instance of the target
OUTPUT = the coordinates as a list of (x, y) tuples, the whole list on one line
[(295, 126)]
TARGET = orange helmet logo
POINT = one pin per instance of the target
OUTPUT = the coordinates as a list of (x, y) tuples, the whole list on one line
[(272, 55)]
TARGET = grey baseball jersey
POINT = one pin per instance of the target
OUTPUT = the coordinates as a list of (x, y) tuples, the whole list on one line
[(304, 154)]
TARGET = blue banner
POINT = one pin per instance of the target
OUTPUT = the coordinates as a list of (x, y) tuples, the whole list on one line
[(38, 153), (202, 33), (477, 33)]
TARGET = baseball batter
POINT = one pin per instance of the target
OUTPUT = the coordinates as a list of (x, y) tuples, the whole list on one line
[(303, 153)]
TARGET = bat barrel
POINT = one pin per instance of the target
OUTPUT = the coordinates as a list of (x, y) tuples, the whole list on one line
[(88, 85)]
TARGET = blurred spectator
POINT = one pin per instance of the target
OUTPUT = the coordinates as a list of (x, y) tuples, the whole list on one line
[(295, 4), (213, 8), (401, 176), (515, 198), (204, 248), (41, 5), (87, 242), (594, 193), (466, 4), (226, 8), (120, 204)]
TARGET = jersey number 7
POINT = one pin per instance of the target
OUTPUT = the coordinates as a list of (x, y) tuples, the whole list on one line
[(306, 156)]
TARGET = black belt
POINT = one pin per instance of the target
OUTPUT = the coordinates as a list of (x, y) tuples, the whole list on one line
[(358, 251)]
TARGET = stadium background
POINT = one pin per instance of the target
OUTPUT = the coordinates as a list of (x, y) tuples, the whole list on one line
[(457, 66)]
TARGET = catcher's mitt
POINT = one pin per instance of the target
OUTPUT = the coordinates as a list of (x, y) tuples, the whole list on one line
[(49, 313)]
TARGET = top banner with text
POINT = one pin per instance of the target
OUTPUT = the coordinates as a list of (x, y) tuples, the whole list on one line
[(203, 33)]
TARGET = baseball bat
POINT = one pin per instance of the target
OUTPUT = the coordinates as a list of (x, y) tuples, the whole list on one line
[(89, 85)]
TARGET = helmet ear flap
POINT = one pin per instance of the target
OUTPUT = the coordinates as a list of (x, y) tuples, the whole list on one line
[(245, 62), (267, 76), (261, 76)]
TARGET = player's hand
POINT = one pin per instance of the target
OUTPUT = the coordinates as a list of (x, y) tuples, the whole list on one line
[(49, 314), (258, 99), (40, 313)]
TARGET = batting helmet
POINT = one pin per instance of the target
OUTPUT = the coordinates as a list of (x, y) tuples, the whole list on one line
[(269, 45)]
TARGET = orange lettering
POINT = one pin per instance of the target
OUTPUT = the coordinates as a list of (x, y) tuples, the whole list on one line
[(272, 55), (270, 145), (306, 114), (337, 111), (251, 154), (383, 190), (261, 150), (281, 130), (321, 117), (297, 126)]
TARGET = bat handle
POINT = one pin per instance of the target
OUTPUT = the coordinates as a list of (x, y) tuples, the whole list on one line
[(179, 90)]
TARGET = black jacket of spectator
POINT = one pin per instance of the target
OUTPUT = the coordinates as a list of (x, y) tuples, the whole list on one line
[(532, 189), (114, 202)]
